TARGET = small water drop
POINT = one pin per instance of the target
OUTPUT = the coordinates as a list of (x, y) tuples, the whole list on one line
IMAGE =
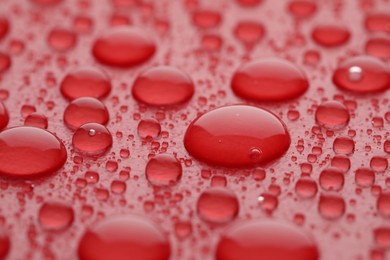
[(92, 139), (55, 216), (269, 79), (85, 110), (332, 115), (375, 75), (124, 237), (331, 206), (85, 82), (163, 170), (218, 205), (163, 86), (123, 47), (268, 239)]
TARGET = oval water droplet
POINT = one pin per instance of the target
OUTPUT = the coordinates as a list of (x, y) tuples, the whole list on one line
[(378, 47), (206, 18), (85, 110), (331, 179), (124, 237), (55, 216), (364, 177), (227, 135), (5, 245), (302, 8), (383, 204), (375, 76), (269, 79), (163, 170), (4, 27), (377, 22), (268, 239), (163, 86), (86, 82), (30, 152), (61, 39), (46, 2), (249, 3), (4, 116), (217, 205), (249, 32), (306, 188), (330, 35), (5, 62), (344, 145), (92, 139), (149, 128), (36, 120), (123, 47), (332, 115), (331, 206)]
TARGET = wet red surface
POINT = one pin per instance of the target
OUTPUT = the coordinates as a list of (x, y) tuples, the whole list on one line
[(298, 171)]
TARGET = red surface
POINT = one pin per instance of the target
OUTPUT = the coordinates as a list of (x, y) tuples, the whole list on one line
[(102, 193)]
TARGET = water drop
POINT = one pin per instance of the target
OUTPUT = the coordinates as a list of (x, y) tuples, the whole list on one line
[(5, 245), (85, 82), (268, 202), (183, 229), (30, 152), (331, 206), (5, 62), (382, 236), (4, 27), (55, 216), (268, 239), (124, 237), (378, 47), (364, 177), (163, 170), (332, 115), (36, 120), (306, 188), (46, 2), (377, 22), (149, 128), (379, 163), (92, 139), (163, 86), (206, 18), (226, 136), (249, 3), (344, 145), (218, 205), (341, 162), (383, 204), (330, 35), (331, 179), (4, 116), (374, 77), (269, 79), (62, 39), (85, 110), (211, 42), (123, 47), (302, 8), (249, 32)]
